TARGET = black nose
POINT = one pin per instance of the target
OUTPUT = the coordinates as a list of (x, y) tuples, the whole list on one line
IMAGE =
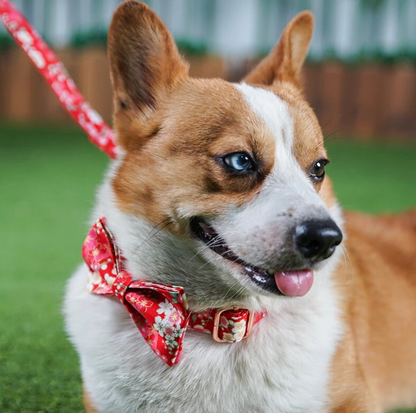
[(317, 239)]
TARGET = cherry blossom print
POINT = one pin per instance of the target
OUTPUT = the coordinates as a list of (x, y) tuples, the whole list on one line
[(174, 318), (165, 308), (160, 325)]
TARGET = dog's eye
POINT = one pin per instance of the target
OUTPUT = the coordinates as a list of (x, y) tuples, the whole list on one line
[(317, 171), (239, 161)]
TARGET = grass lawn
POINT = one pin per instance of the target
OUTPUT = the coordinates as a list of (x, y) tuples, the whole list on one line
[(47, 183)]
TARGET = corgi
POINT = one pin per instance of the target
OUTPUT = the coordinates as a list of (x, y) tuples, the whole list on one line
[(220, 189)]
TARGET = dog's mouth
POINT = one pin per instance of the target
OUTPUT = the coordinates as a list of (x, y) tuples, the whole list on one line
[(287, 282)]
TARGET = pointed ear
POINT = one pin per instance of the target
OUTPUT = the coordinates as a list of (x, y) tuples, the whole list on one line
[(285, 61), (144, 60)]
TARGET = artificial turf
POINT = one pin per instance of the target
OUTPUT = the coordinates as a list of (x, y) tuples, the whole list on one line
[(47, 181)]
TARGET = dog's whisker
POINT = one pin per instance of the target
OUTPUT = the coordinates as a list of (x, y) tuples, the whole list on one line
[(202, 266), (347, 261), (151, 235), (333, 133), (199, 251), (236, 293), (156, 227), (208, 245)]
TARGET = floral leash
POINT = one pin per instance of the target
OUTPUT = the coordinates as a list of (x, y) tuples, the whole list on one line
[(56, 76), (160, 311)]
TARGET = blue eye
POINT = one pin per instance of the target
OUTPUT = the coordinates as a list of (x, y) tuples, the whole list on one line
[(240, 161)]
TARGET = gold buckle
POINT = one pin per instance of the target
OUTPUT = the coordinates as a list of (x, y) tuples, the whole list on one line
[(249, 324)]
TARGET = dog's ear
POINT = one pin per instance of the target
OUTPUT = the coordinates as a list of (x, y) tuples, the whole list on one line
[(286, 59), (144, 60)]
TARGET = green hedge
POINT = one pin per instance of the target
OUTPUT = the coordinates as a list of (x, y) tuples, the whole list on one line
[(6, 41), (194, 48), (99, 38)]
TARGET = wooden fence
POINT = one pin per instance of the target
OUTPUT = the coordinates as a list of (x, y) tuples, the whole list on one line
[(368, 101)]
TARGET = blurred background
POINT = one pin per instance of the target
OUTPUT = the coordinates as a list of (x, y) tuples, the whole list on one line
[(360, 79), (360, 75)]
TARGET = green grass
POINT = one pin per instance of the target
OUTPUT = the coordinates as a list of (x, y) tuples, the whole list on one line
[(47, 183)]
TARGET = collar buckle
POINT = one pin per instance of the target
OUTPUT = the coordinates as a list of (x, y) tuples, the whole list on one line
[(215, 330)]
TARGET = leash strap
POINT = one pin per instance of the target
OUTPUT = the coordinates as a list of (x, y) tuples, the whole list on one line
[(58, 79)]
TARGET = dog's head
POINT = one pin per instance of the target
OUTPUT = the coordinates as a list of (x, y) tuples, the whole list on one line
[(233, 172)]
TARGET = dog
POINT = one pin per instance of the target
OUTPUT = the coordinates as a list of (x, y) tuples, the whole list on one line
[(220, 189)]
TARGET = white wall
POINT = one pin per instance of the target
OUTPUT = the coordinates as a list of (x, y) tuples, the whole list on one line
[(238, 28)]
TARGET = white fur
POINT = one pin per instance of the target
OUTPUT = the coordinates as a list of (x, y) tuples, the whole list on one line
[(283, 367), (274, 113), (291, 187)]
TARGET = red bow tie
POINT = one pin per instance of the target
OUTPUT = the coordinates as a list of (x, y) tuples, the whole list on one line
[(160, 311)]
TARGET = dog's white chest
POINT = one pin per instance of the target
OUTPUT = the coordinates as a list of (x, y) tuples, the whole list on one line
[(283, 367)]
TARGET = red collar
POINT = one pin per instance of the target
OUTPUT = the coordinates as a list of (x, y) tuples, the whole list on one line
[(160, 311)]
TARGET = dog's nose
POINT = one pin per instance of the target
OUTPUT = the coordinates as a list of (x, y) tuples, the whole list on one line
[(317, 239)]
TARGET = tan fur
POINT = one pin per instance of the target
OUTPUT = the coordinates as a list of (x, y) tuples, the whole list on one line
[(191, 134), (284, 63), (173, 128), (140, 83), (89, 408), (378, 283)]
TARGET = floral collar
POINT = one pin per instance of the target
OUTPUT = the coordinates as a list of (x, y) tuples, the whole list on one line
[(160, 311)]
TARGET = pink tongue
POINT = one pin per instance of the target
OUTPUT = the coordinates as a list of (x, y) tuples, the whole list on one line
[(294, 283)]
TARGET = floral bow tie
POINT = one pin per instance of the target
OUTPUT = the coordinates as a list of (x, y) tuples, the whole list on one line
[(160, 311)]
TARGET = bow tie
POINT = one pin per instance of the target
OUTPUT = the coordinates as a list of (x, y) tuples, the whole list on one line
[(160, 311)]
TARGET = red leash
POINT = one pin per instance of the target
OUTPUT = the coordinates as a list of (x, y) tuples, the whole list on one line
[(55, 74)]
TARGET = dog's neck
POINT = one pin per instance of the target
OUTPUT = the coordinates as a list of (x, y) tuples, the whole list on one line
[(156, 255)]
